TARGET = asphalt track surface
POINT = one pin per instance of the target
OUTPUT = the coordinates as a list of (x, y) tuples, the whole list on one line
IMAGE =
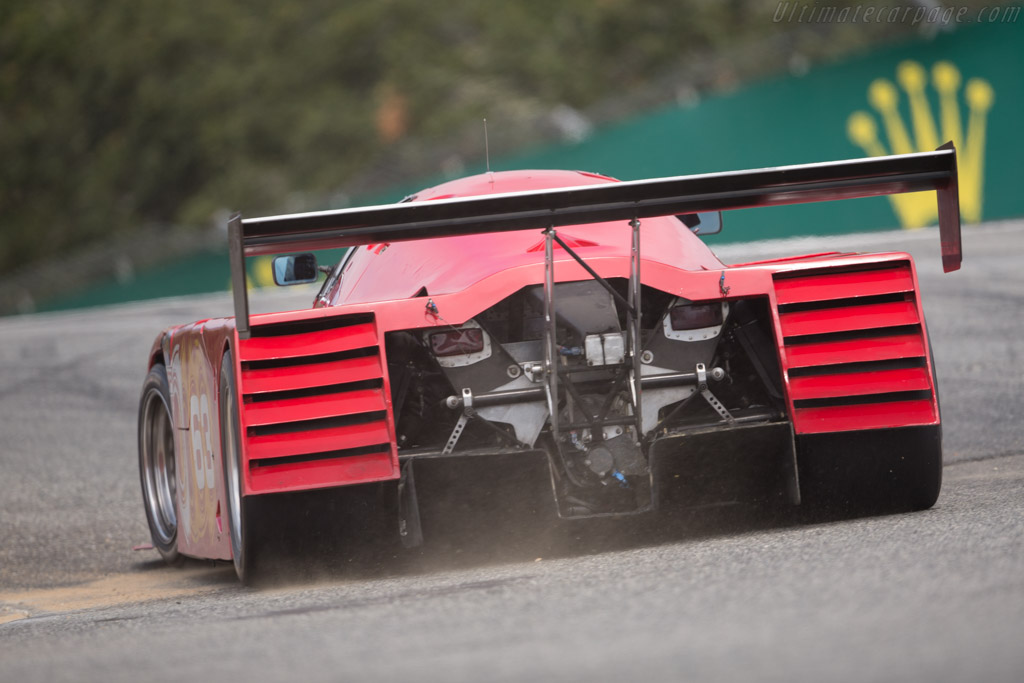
[(725, 596)]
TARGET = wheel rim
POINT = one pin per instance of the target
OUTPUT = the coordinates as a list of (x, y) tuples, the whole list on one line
[(160, 468), (229, 420)]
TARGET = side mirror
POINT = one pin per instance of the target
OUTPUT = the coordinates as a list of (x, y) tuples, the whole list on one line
[(297, 269), (705, 223)]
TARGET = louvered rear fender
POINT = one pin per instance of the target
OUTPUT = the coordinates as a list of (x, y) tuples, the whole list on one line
[(854, 347), (315, 407)]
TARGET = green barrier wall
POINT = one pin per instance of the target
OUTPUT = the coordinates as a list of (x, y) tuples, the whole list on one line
[(967, 86)]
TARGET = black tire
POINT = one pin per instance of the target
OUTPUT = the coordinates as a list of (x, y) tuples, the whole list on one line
[(871, 472), (158, 464), (244, 548)]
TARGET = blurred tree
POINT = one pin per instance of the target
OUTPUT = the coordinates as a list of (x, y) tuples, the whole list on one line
[(122, 114)]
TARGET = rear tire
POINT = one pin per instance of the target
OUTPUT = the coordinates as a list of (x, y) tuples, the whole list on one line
[(871, 472), (158, 464), (244, 548)]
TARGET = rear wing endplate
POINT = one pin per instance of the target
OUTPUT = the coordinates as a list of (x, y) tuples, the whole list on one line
[(629, 200)]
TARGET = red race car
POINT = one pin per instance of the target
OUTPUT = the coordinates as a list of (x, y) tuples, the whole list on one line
[(553, 340)]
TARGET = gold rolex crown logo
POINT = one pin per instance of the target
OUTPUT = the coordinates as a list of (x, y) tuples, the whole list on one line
[(919, 208)]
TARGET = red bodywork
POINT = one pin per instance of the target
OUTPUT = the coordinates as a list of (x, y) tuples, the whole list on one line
[(387, 287)]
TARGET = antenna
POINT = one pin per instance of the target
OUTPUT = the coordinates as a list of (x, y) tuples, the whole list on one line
[(487, 148)]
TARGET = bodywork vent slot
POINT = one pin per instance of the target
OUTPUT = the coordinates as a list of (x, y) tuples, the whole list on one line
[(303, 326), (854, 349), (327, 455)]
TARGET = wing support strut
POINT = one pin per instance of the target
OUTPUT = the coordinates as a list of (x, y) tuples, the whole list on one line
[(555, 375)]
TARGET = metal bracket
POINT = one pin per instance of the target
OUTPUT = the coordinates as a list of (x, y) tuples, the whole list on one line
[(702, 387), (467, 413)]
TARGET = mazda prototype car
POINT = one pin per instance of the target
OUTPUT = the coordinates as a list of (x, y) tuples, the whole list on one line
[(557, 341)]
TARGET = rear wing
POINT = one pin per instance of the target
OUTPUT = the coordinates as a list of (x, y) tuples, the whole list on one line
[(629, 200)]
